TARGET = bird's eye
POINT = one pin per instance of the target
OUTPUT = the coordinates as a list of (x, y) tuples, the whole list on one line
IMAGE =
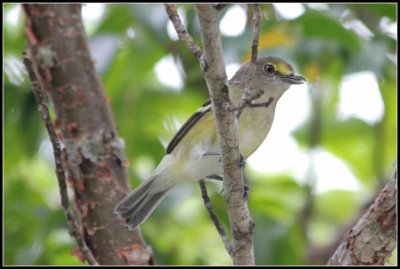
[(269, 69)]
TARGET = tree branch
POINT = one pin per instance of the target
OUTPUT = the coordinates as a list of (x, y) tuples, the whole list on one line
[(372, 240), (320, 254), (213, 67), (184, 35), (73, 226), (248, 95), (228, 133), (214, 218), (256, 32)]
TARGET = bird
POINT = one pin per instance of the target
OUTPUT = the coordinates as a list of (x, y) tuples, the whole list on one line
[(194, 152)]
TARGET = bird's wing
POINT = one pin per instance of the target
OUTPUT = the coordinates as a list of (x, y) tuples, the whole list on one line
[(203, 110)]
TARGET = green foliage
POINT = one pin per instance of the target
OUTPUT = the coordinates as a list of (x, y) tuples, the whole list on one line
[(346, 206), (331, 30), (180, 231), (348, 140)]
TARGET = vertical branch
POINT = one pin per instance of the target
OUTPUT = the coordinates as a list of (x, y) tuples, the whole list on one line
[(184, 35), (256, 32), (228, 133), (213, 67)]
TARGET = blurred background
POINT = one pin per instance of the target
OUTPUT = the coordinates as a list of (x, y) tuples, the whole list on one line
[(331, 148)]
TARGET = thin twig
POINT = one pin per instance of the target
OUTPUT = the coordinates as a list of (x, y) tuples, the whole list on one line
[(213, 216), (256, 32), (248, 94), (248, 101), (60, 172), (184, 35)]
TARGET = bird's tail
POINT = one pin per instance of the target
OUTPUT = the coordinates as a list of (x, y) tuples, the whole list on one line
[(137, 206)]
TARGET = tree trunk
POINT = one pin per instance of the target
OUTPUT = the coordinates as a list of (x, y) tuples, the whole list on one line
[(94, 154)]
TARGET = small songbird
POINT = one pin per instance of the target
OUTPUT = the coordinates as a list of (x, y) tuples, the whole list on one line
[(194, 152)]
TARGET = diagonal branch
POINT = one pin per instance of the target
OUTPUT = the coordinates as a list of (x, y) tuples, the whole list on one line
[(372, 240), (213, 217), (183, 34), (73, 226)]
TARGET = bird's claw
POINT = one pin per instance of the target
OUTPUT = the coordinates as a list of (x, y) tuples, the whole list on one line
[(242, 162)]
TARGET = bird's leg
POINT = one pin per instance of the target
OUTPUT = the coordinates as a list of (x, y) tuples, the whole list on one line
[(219, 178), (246, 192), (242, 162), (215, 177)]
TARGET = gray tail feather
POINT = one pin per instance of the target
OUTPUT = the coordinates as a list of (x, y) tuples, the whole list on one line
[(139, 204)]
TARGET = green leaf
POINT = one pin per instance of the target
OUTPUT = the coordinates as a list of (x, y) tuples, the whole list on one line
[(117, 19), (278, 197), (277, 243), (380, 9)]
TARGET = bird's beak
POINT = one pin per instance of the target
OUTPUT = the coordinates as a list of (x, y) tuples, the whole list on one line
[(293, 79)]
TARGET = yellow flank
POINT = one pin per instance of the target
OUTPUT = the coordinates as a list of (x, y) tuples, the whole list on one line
[(253, 128), (198, 134)]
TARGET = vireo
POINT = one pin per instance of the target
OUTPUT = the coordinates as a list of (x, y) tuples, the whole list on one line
[(194, 152)]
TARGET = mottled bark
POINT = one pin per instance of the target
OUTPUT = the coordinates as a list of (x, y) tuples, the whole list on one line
[(372, 240), (94, 154)]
